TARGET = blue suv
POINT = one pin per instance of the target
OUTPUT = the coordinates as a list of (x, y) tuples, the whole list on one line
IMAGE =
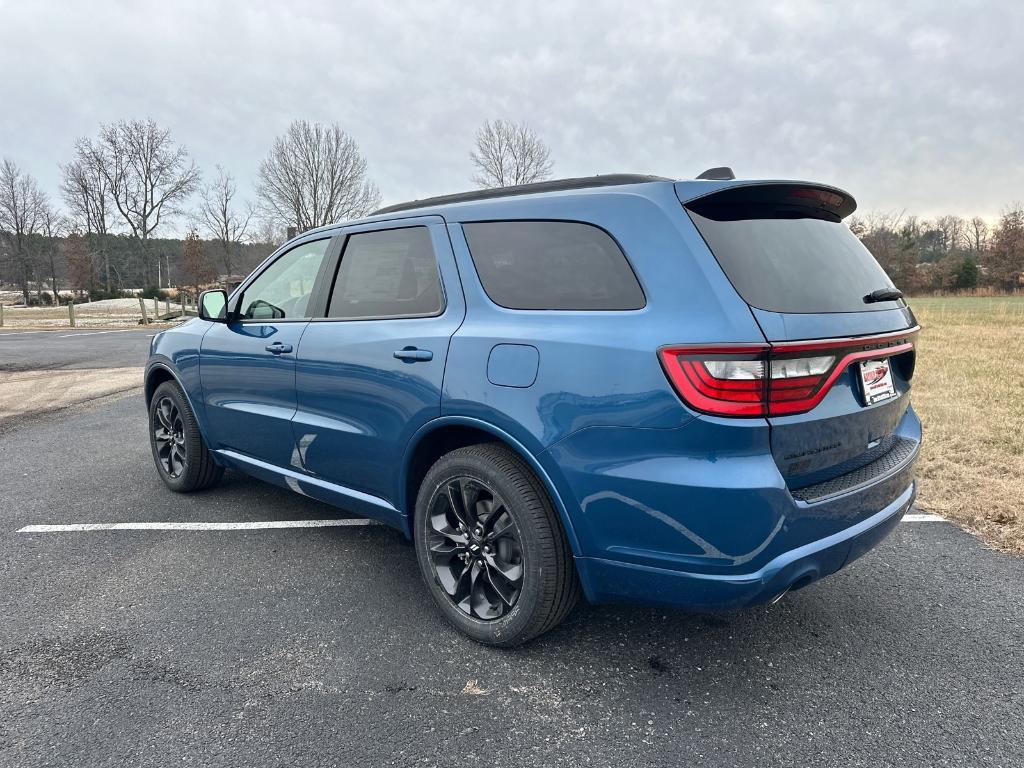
[(685, 392)]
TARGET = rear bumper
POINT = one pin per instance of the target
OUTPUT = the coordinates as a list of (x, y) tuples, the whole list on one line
[(610, 580)]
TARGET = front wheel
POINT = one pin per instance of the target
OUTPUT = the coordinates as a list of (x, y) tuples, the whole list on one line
[(491, 548), (180, 454)]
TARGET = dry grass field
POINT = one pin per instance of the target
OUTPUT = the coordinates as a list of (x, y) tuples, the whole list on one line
[(969, 392)]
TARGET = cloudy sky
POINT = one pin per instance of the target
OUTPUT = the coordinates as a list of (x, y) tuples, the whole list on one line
[(909, 105)]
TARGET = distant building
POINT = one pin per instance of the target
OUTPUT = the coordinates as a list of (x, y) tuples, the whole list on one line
[(230, 282)]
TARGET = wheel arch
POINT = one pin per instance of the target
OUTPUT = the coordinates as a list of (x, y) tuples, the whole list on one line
[(448, 433), (158, 372), (156, 375)]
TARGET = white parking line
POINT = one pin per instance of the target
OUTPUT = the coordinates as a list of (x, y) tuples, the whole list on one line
[(273, 524), (260, 525)]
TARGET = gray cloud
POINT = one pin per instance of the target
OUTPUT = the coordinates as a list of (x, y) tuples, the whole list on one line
[(913, 105)]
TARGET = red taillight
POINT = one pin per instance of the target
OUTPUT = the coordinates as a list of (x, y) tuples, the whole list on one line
[(769, 379), (738, 389)]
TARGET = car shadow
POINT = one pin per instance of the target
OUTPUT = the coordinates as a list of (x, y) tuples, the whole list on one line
[(658, 640)]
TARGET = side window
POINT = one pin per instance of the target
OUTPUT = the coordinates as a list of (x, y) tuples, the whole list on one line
[(552, 265), (388, 273), (283, 290)]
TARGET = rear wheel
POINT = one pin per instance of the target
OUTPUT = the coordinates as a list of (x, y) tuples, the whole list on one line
[(180, 454), (491, 548)]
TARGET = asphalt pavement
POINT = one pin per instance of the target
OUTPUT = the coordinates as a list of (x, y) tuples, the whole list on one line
[(70, 349), (318, 646)]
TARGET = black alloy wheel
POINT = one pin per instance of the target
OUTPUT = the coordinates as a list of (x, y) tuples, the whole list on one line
[(179, 451), (490, 546), (169, 433), (475, 548)]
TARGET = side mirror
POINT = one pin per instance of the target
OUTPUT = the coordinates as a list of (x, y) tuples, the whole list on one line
[(213, 306)]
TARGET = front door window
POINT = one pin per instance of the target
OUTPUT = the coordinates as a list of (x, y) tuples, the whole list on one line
[(282, 291)]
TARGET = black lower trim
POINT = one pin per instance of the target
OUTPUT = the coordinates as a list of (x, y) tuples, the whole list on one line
[(901, 453)]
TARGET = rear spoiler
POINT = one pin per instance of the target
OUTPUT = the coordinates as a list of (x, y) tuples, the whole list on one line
[(803, 194)]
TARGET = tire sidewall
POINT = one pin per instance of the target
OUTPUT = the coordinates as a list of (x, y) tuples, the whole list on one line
[(521, 617)]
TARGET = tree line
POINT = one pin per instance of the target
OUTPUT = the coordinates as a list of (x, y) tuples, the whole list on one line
[(948, 253), (124, 186)]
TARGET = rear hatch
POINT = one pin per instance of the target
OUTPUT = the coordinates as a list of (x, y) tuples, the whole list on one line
[(840, 342)]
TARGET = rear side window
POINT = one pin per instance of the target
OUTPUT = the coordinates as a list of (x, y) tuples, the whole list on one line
[(552, 265), (791, 259), (388, 273)]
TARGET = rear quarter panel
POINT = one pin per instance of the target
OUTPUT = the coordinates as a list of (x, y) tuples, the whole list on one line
[(598, 373), (594, 368)]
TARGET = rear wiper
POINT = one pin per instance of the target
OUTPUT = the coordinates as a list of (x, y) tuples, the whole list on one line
[(883, 294)]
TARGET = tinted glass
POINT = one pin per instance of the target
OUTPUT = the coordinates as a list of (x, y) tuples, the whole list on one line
[(390, 273), (282, 291), (552, 265), (783, 262)]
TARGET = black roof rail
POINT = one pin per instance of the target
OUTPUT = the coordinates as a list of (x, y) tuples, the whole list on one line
[(606, 180), (722, 173)]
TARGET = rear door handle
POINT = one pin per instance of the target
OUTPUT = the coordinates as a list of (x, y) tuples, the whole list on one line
[(411, 354), (277, 348)]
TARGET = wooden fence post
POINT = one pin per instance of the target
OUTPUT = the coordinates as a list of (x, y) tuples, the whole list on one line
[(1, 315), (71, 312), (142, 306), (156, 308)]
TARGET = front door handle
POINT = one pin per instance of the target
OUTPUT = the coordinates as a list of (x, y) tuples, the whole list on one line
[(411, 354), (277, 348)]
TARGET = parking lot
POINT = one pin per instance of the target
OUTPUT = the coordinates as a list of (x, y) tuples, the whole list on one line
[(318, 645), (44, 371)]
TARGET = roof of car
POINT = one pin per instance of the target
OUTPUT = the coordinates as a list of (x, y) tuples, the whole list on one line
[(558, 185), (479, 202)]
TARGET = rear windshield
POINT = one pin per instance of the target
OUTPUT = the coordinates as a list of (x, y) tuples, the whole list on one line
[(784, 259)]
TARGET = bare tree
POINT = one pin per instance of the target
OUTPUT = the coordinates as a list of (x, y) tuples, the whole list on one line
[(315, 175), (1006, 258), (977, 236), (268, 232), (879, 231), (953, 233), (224, 223), (149, 176), (894, 240), (86, 194), (52, 228), (22, 206), (508, 154)]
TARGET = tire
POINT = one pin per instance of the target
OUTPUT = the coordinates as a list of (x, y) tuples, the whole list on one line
[(513, 529), (179, 451)]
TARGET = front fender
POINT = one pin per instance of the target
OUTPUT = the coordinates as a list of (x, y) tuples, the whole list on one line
[(158, 366), (176, 351)]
